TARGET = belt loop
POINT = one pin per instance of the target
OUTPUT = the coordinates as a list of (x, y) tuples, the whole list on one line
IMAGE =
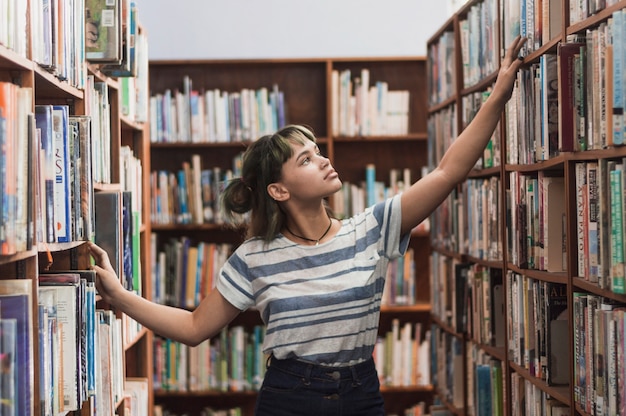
[(307, 374), (355, 376)]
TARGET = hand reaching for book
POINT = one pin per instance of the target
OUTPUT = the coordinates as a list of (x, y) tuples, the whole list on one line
[(508, 70), (107, 282)]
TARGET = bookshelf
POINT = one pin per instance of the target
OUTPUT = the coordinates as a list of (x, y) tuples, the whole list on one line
[(532, 320), (38, 78), (308, 97)]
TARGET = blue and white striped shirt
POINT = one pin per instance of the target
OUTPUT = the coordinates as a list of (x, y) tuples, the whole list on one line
[(319, 303)]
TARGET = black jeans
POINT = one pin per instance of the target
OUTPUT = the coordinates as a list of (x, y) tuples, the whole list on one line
[(293, 387)]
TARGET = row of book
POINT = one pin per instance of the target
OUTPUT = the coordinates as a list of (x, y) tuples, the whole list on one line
[(442, 131), (538, 322), (533, 128), (537, 20), (471, 103), (190, 195), (65, 34), (14, 28), (582, 9), (361, 109), (355, 197), (527, 399), (446, 358), (536, 220), (441, 72), (80, 352), (136, 396), (400, 285), (51, 160), (184, 272), (402, 355), (215, 116), (600, 207), (469, 298), (467, 221), (485, 383), (57, 35), (232, 361), (479, 42), (571, 101), (449, 291), (599, 348)]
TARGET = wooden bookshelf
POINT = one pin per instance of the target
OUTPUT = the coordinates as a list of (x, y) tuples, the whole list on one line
[(50, 87), (307, 88), (530, 373)]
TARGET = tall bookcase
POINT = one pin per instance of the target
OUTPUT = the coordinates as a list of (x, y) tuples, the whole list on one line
[(527, 255), (65, 78), (308, 97)]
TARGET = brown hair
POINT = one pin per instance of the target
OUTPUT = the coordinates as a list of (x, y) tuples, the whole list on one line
[(262, 165)]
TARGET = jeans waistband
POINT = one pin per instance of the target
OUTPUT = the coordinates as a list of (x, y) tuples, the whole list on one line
[(309, 370)]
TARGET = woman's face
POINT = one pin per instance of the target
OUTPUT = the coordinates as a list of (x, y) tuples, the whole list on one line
[(308, 174)]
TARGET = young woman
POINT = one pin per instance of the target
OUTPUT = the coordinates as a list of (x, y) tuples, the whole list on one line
[(317, 281)]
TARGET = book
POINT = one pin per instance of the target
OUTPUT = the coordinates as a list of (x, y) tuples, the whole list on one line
[(557, 371), (8, 179), (136, 388), (70, 309), (566, 56), (127, 240), (84, 200), (615, 171), (127, 65), (62, 196), (16, 304), (103, 31), (550, 105), (88, 322), (108, 226), (43, 120), (484, 397), (8, 359)]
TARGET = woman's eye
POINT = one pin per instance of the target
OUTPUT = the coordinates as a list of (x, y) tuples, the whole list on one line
[(306, 161)]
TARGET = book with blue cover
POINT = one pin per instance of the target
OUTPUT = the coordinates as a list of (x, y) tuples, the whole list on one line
[(16, 304)]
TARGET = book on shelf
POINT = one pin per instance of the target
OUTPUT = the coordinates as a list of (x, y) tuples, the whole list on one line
[(567, 54), (127, 241), (105, 380), (8, 352), (43, 117), (619, 68), (62, 201), (127, 65), (67, 293), (24, 201), (484, 397), (16, 304), (616, 223), (108, 226), (136, 391), (83, 201), (103, 31), (557, 371)]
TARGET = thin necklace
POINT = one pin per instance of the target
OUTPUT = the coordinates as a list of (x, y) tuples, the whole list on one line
[(317, 242)]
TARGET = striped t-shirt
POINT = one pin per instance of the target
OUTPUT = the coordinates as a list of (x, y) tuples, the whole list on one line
[(319, 303)]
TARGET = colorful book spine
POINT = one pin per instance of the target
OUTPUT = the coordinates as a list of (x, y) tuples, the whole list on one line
[(618, 76), (62, 202)]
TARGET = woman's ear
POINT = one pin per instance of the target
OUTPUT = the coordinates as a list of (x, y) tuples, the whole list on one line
[(277, 192)]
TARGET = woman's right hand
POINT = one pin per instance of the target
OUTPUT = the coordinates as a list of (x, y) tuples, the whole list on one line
[(108, 283)]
